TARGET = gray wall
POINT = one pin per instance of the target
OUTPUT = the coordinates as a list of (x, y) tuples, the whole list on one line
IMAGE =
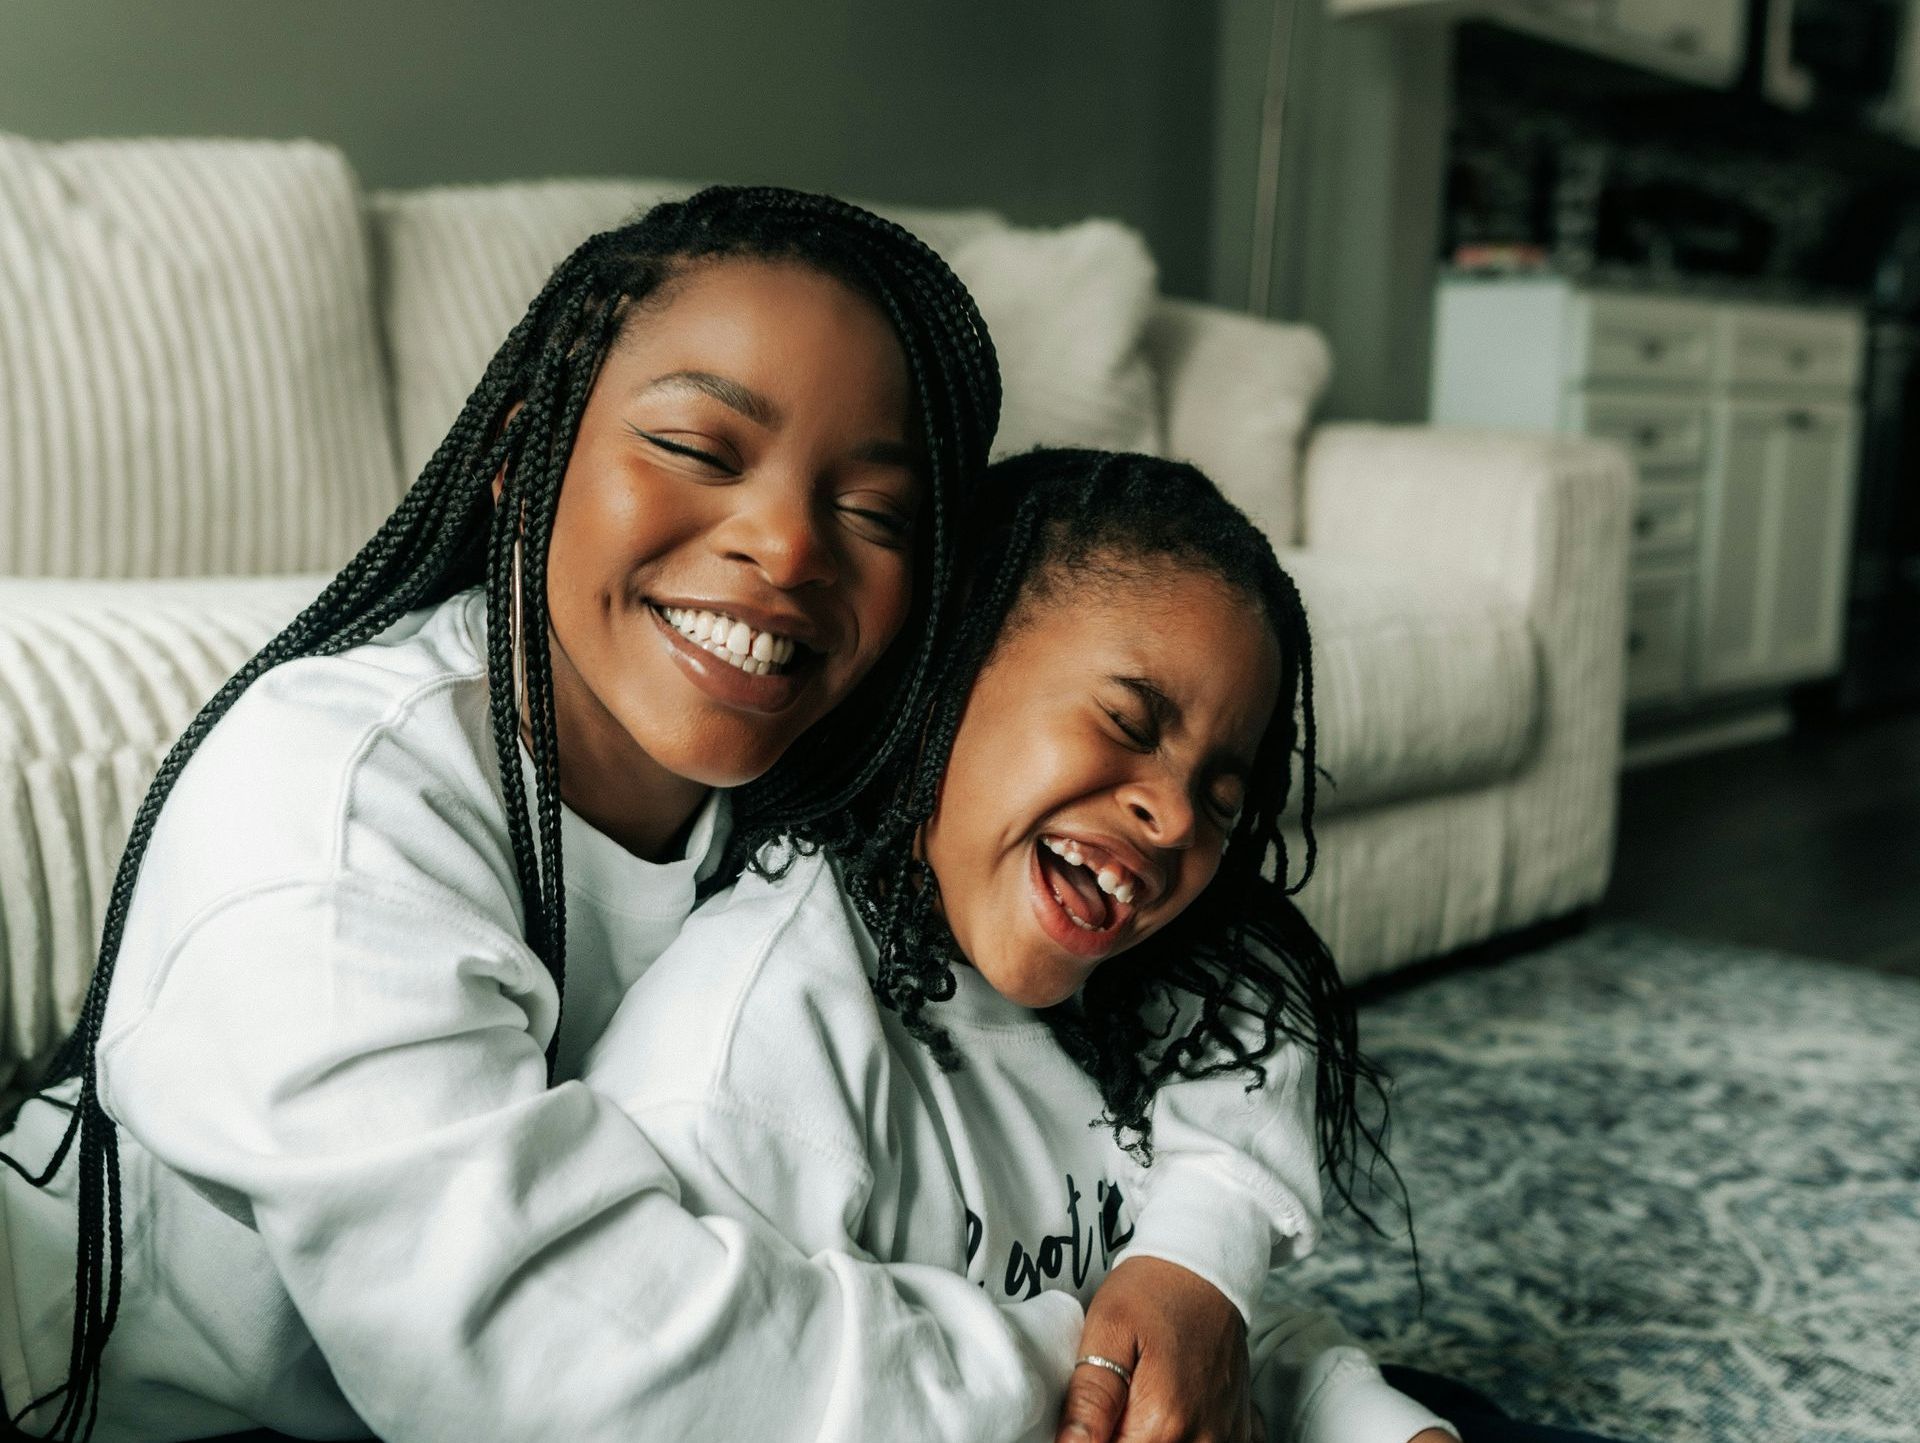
[(1361, 185), (1047, 109)]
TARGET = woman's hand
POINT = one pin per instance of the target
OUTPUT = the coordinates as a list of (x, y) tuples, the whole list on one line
[(1187, 1347)]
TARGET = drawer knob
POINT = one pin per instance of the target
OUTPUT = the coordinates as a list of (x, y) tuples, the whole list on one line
[(1799, 358), (1652, 348), (1636, 642), (1647, 437), (1644, 524)]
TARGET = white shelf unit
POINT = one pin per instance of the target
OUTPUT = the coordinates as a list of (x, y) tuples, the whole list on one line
[(1742, 422)]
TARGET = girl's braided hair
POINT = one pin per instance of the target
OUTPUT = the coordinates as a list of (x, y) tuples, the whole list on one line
[(1241, 971), (447, 535)]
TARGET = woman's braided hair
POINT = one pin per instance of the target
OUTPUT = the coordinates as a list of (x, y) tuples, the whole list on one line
[(448, 534), (1241, 971)]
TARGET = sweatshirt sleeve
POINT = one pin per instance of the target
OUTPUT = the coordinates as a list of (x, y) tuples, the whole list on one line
[(354, 1066), (1234, 1187), (1315, 1384)]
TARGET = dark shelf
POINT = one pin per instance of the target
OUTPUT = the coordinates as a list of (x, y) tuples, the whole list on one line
[(1640, 106)]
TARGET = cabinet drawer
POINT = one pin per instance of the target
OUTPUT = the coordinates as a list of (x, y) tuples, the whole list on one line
[(1765, 346), (1658, 608), (1705, 30), (1661, 435), (1631, 339), (1665, 518)]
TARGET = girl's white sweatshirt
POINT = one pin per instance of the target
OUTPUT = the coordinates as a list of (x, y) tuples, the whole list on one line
[(759, 1064), (352, 1200)]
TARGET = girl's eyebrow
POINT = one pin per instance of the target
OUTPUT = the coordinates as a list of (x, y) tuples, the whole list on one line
[(729, 393), (1164, 710), (1167, 715)]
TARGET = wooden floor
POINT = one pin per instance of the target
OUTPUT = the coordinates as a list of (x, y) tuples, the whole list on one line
[(1809, 844)]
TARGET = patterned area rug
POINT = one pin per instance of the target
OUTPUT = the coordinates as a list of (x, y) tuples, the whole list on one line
[(1665, 1191)]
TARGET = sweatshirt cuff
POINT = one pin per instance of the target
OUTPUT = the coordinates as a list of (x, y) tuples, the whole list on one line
[(1209, 1227), (1345, 1400)]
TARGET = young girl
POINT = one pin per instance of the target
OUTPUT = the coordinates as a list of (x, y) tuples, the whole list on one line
[(315, 1156), (946, 1037)]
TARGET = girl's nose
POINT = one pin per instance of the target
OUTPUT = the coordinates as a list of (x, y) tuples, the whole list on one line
[(1163, 808), (779, 531)]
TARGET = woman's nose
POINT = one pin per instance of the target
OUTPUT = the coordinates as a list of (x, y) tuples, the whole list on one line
[(1163, 808), (778, 530)]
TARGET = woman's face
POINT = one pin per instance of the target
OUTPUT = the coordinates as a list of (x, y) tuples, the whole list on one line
[(1101, 761), (733, 545)]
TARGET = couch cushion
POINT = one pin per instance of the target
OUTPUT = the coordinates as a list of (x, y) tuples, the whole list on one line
[(458, 266), (97, 678), (1424, 682), (1237, 391), (460, 263), (190, 374), (1068, 309)]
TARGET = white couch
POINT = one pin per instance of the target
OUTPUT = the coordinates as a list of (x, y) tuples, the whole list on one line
[(219, 360)]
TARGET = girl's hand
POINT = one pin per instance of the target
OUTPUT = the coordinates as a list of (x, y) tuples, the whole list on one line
[(1187, 1347)]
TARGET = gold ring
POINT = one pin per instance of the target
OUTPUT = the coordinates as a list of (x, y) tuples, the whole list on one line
[(1095, 1360)]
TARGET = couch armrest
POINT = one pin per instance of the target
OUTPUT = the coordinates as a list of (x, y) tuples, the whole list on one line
[(1545, 519)]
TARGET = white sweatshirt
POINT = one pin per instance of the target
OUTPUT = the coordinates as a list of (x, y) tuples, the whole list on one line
[(352, 1200), (758, 1062)]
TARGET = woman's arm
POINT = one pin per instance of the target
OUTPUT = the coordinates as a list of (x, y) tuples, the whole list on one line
[(357, 1067)]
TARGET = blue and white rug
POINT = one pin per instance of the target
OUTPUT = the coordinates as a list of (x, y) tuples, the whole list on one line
[(1665, 1191)]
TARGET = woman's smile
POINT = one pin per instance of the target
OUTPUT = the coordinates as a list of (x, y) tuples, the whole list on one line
[(734, 664)]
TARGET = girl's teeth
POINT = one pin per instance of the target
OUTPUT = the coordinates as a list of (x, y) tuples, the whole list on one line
[(1112, 880)]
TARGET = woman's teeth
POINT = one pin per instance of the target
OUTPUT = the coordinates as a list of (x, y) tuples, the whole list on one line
[(757, 653), (1111, 879)]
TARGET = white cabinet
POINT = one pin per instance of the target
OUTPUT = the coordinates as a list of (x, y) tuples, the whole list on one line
[(1773, 551), (1741, 424), (1701, 40), (1704, 32)]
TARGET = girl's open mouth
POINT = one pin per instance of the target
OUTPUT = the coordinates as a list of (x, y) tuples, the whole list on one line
[(1074, 907)]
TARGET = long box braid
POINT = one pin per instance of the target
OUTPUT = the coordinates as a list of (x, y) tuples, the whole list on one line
[(447, 535)]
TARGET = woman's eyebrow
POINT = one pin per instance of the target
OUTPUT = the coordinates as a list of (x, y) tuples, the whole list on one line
[(891, 453), (729, 393)]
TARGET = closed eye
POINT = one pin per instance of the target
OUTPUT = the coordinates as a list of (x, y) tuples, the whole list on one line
[(890, 527), (1135, 734), (681, 448)]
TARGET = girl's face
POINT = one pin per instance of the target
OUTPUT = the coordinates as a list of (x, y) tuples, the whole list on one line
[(1100, 763), (732, 548)]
